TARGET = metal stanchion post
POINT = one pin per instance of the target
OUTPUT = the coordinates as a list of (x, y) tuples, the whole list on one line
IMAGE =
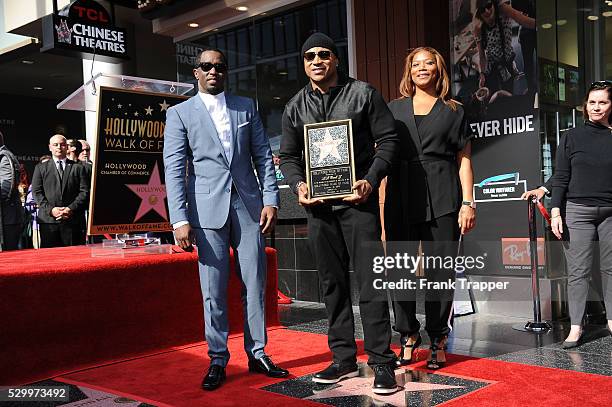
[(537, 325)]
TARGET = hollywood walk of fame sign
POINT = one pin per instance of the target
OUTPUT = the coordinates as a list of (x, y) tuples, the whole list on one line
[(128, 192), (330, 165)]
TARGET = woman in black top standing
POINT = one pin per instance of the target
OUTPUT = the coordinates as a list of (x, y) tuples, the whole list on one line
[(582, 185), (429, 196)]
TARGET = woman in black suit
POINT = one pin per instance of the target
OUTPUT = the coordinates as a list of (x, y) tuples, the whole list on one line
[(429, 196)]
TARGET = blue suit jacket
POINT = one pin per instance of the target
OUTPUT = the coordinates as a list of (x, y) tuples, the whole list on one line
[(199, 177)]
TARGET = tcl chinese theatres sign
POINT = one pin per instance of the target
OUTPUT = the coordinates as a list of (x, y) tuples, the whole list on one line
[(84, 29)]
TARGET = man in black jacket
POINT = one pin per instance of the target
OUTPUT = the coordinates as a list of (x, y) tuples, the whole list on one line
[(61, 190), (336, 229), (11, 209)]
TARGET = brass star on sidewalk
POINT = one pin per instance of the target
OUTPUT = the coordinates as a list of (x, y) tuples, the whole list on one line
[(363, 386)]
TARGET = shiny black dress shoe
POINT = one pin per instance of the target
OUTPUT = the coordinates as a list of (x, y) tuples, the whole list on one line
[(265, 365), (409, 344), (214, 378), (336, 372), (384, 380)]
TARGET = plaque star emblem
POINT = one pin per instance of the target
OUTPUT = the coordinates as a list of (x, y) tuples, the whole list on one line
[(328, 146), (152, 194), (119, 105), (136, 114), (164, 106), (149, 111)]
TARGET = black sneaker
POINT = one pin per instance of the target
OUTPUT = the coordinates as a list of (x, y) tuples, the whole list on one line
[(384, 379), (336, 372)]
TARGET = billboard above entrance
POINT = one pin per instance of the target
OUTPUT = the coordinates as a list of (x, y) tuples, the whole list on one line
[(85, 30)]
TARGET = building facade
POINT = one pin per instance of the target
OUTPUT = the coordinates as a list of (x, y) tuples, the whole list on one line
[(552, 60)]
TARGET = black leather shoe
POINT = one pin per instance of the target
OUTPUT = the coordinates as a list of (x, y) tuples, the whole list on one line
[(214, 378), (384, 380), (336, 372), (265, 365)]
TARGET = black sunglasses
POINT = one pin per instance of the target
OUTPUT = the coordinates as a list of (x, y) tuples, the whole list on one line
[(207, 66), (324, 55), (600, 84)]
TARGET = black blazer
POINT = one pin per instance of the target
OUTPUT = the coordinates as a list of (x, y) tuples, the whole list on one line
[(425, 184), (49, 191), (11, 209)]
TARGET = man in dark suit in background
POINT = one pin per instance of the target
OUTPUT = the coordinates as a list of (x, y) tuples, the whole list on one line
[(61, 190), (75, 149), (85, 152), (11, 210)]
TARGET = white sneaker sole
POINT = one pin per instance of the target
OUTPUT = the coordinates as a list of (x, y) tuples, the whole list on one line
[(385, 391), (332, 381)]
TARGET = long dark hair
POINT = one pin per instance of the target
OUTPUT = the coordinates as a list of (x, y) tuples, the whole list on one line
[(485, 27)]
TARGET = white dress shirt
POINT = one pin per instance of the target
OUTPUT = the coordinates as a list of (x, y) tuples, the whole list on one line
[(217, 108)]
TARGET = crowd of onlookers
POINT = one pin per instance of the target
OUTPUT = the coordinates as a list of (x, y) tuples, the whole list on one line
[(49, 211)]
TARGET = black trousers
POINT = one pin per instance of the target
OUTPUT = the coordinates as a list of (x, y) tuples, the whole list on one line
[(336, 238), (60, 234), (438, 238), (10, 236)]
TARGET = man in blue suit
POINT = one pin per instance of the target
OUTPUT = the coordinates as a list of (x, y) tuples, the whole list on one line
[(213, 141)]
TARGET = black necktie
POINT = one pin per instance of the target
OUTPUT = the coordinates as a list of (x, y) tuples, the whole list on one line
[(61, 170)]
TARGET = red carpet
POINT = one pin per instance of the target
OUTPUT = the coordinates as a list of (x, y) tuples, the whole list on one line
[(64, 310), (518, 385), (174, 378)]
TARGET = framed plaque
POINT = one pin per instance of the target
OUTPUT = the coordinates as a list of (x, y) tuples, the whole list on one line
[(330, 164)]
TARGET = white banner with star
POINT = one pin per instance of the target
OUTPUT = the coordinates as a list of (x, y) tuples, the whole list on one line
[(128, 190), (330, 167)]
